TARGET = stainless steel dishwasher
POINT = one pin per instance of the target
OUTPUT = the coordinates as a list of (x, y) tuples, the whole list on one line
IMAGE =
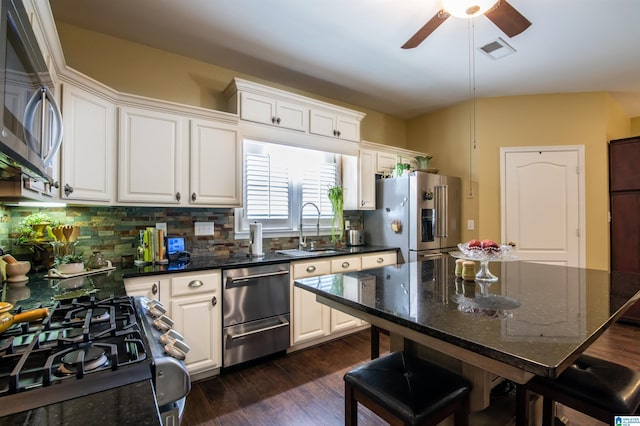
[(255, 309)]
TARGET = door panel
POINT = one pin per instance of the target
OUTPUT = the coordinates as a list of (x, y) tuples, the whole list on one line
[(541, 204)]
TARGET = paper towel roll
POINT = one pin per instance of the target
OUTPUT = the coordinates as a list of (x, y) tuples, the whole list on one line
[(255, 239)]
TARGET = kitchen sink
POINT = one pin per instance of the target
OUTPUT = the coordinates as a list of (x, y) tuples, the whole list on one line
[(308, 252)]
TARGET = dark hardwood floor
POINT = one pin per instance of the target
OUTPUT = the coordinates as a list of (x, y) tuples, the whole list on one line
[(306, 387)]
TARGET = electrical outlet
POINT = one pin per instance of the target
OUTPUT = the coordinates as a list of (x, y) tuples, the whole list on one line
[(162, 226), (203, 228), (470, 225)]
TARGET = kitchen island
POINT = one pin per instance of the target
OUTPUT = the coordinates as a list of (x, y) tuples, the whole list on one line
[(536, 320)]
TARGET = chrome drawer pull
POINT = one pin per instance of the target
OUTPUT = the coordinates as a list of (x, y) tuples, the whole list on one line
[(311, 268), (195, 284), (345, 264), (249, 333), (380, 260)]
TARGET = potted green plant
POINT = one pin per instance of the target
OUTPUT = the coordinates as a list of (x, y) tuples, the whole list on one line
[(69, 264), (336, 196), (36, 228)]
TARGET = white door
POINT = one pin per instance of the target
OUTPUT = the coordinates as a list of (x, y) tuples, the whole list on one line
[(542, 203)]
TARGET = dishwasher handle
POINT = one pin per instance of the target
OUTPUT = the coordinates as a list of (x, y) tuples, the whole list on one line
[(260, 330), (244, 279)]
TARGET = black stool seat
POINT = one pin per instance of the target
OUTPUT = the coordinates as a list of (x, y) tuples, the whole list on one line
[(405, 388), (593, 386)]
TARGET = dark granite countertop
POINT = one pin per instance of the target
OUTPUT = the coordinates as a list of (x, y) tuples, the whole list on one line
[(536, 317), (221, 262), (139, 406)]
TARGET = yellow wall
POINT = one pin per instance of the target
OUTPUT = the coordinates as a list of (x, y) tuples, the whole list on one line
[(635, 126), (588, 119), (145, 71)]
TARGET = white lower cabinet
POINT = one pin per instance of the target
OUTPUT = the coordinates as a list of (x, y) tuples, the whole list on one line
[(314, 322), (311, 320), (194, 302)]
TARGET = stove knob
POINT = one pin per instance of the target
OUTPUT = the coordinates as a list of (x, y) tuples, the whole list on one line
[(170, 337), (157, 310), (163, 323), (178, 349)]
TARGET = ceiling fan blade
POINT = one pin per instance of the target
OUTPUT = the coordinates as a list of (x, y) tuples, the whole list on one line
[(507, 18), (427, 29)]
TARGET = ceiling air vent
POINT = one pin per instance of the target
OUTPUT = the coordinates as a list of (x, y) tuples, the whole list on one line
[(498, 49)]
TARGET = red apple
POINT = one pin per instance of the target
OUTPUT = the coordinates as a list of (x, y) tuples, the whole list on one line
[(474, 245), (489, 245)]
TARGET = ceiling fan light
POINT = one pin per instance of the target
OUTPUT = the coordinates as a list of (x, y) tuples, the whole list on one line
[(467, 8)]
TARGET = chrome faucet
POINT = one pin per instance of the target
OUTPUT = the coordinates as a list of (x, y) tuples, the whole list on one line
[(302, 242)]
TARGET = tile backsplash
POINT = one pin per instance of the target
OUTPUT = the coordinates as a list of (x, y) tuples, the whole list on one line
[(114, 231)]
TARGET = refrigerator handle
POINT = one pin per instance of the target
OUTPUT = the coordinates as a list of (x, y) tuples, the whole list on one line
[(442, 215)]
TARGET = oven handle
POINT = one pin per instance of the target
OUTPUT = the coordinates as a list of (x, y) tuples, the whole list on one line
[(261, 330), (234, 281)]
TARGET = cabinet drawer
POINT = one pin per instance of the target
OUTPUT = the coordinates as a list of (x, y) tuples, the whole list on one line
[(376, 260), (195, 283), (311, 268), (345, 264)]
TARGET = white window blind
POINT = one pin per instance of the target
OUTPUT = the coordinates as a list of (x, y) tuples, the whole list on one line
[(266, 188), (280, 179)]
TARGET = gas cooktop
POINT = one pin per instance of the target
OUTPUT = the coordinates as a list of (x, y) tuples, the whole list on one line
[(84, 346)]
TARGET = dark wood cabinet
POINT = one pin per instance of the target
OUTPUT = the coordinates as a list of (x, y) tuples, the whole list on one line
[(624, 193)]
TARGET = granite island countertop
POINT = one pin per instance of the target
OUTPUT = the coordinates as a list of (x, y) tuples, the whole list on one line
[(536, 318)]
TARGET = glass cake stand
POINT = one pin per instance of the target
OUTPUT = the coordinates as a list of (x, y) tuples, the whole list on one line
[(484, 275)]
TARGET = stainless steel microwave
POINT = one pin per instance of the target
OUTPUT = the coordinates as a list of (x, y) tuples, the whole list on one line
[(31, 126)]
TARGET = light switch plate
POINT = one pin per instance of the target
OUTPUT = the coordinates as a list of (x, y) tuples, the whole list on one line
[(470, 225), (203, 228)]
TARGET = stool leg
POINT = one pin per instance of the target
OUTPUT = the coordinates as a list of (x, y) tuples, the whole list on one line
[(522, 405), (548, 411), (461, 415), (350, 406), (375, 342)]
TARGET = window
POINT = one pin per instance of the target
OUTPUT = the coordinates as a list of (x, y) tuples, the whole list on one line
[(279, 180)]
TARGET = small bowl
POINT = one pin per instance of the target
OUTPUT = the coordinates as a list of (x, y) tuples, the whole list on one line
[(17, 272), (70, 268)]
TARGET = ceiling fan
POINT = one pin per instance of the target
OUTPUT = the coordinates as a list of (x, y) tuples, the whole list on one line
[(501, 13)]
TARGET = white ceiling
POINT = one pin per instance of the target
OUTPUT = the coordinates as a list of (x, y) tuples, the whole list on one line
[(350, 50)]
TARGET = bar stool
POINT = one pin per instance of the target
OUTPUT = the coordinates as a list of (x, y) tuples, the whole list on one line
[(596, 387), (402, 389)]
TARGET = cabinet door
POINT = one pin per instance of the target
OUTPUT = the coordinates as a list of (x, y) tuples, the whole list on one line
[(625, 231), (151, 156), (216, 158), (367, 180), (257, 108), (291, 116), (348, 128), (311, 320), (198, 318), (146, 287), (88, 151), (386, 162), (322, 123), (623, 164)]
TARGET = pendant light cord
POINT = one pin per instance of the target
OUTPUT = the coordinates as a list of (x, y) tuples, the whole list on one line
[(472, 95)]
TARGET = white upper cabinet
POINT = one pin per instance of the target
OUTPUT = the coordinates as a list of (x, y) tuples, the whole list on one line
[(89, 146), (214, 143), (314, 120), (151, 148), (266, 110), (327, 123)]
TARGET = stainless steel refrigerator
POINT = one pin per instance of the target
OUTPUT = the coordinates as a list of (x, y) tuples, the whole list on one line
[(419, 212)]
